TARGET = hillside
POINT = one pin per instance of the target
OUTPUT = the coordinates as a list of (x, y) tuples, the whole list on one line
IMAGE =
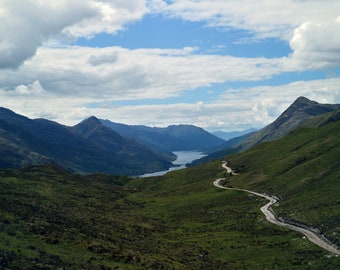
[(303, 169), (234, 134), (293, 117), (171, 138), (85, 148)]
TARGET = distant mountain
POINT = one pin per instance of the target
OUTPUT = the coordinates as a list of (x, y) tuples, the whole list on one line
[(85, 148), (293, 117), (172, 138), (234, 134), (229, 147)]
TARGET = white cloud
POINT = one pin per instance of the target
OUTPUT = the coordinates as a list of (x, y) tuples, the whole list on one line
[(118, 73), (316, 45), (26, 24), (111, 16), (32, 89), (265, 18), (57, 82), (236, 109)]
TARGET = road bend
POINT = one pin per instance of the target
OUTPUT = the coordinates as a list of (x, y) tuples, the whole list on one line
[(270, 216)]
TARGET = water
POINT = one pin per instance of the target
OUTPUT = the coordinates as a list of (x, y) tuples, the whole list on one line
[(183, 157)]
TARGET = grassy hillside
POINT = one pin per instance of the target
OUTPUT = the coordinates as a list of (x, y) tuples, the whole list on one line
[(51, 219), (303, 169)]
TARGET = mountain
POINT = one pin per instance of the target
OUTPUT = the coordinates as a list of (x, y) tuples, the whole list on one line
[(229, 147), (296, 115), (293, 117), (234, 134), (171, 138), (85, 148)]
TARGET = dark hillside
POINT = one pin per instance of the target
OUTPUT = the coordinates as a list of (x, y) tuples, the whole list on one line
[(85, 148), (171, 138)]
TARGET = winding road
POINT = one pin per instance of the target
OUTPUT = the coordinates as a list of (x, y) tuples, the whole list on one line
[(269, 214)]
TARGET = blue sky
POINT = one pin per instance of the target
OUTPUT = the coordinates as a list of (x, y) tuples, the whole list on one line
[(168, 33), (221, 65)]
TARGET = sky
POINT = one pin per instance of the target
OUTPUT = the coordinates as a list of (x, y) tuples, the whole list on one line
[(226, 65)]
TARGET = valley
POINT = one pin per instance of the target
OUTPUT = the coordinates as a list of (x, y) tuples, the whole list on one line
[(52, 217)]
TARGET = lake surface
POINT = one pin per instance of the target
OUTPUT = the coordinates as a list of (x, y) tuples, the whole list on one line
[(183, 157)]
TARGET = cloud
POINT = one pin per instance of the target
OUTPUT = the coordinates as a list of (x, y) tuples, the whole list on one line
[(264, 19), (101, 59), (44, 78), (316, 45), (116, 73), (26, 24), (111, 16), (235, 109), (32, 89)]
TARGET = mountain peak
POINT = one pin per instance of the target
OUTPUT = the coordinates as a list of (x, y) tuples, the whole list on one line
[(87, 126), (293, 117), (302, 99), (91, 122), (9, 115)]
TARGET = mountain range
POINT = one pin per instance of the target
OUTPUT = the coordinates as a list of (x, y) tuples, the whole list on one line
[(84, 148), (234, 134), (172, 138), (103, 146), (96, 145)]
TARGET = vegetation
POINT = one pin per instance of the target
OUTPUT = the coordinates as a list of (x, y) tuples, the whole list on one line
[(51, 219), (303, 169)]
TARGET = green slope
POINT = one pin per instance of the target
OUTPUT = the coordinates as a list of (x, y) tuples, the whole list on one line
[(303, 169), (51, 219)]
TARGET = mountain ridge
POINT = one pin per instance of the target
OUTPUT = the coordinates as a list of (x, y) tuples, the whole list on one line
[(298, 113), (84, 148), (171, 138)]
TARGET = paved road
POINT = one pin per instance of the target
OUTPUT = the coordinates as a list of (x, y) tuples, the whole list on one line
[(269, 214)]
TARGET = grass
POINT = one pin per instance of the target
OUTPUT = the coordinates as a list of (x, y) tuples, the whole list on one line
[(303, 169)]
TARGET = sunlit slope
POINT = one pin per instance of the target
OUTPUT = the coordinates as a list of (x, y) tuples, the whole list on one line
[(303, 169)]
